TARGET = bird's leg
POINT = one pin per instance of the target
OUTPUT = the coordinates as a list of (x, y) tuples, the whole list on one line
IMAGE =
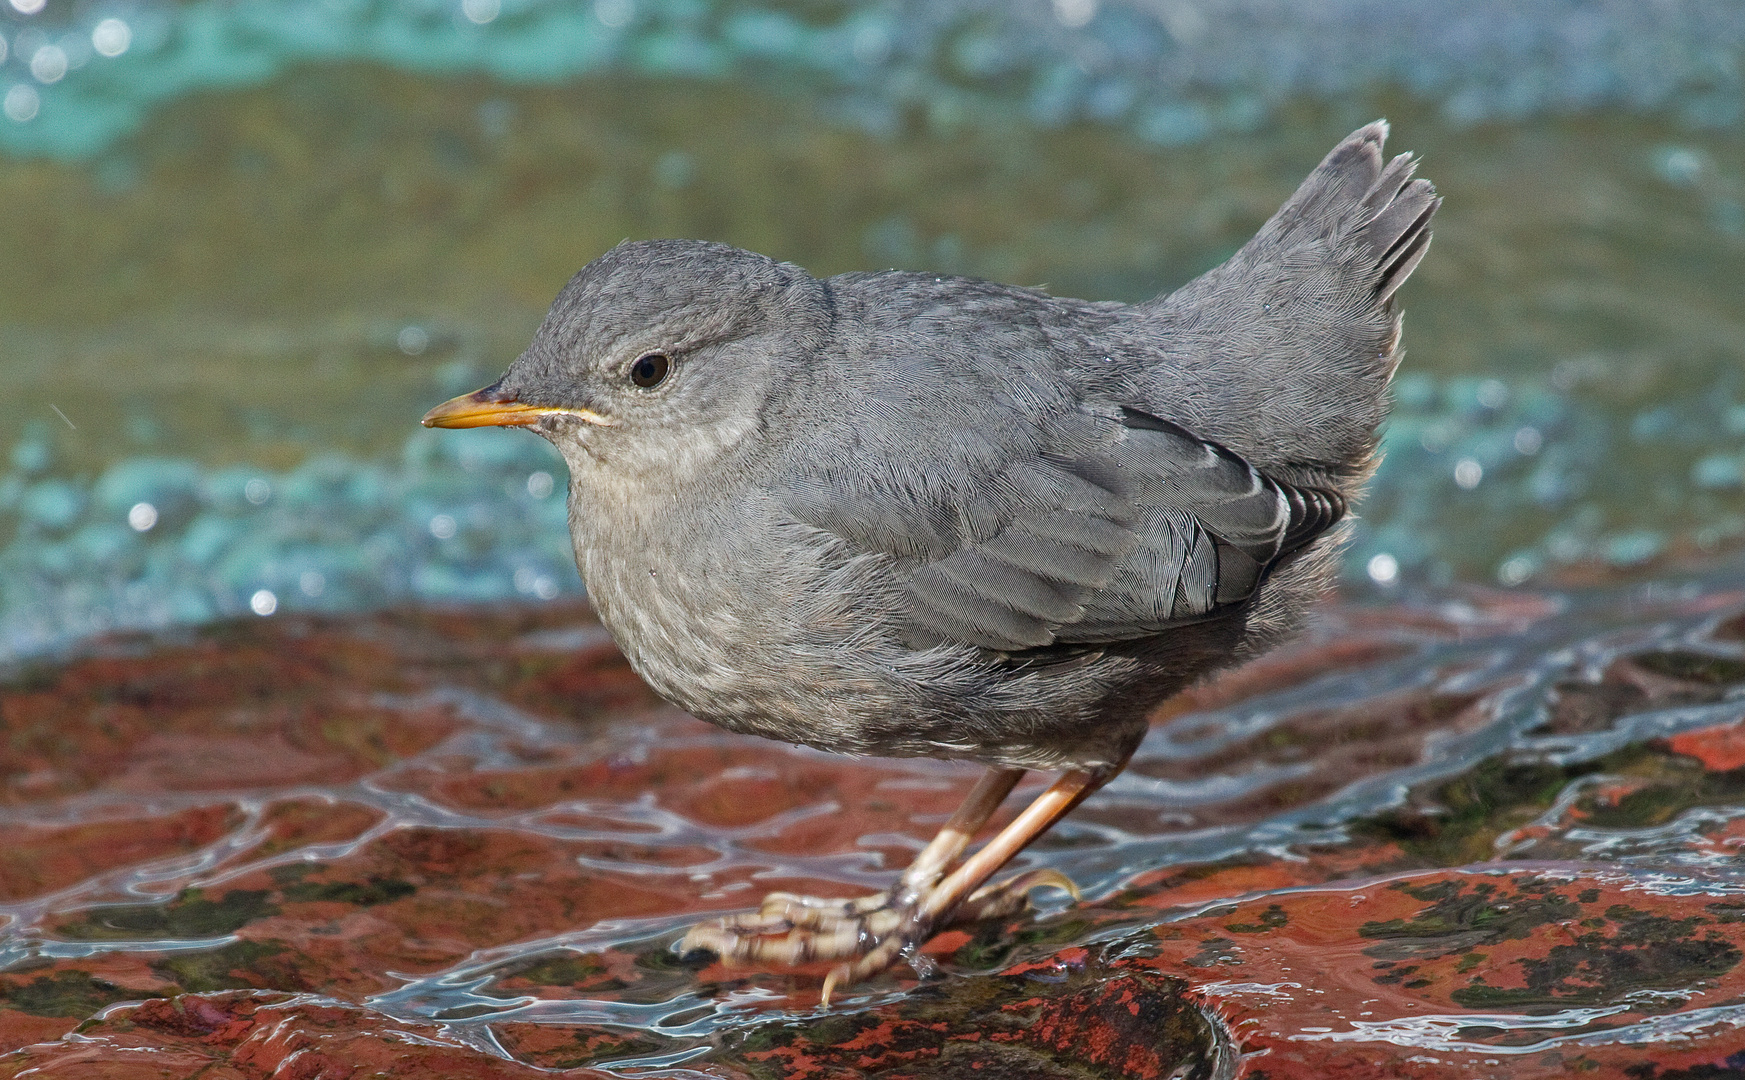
[(792, 929), (874, 932), (961, 895)]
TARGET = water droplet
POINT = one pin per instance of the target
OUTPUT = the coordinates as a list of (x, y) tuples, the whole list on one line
[(1516, 570), (263, 602), (1468, 473), (615, 13), (142, 516), (257, 491), (49, 64), (442, 526), (481, 11), (22, 102), (1384, 569), (540, 484), (111, 37)]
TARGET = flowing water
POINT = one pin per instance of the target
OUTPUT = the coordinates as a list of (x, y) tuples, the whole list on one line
[(244, 245)]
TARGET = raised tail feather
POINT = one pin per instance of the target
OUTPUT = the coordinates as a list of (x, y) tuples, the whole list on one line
[(1284, 352)]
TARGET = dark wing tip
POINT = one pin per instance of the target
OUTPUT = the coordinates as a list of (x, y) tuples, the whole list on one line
[(1313, 512)]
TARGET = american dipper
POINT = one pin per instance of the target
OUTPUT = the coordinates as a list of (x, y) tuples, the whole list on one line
[(904, 514)]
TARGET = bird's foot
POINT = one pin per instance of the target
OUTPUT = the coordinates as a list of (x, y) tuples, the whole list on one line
[(869, 934)]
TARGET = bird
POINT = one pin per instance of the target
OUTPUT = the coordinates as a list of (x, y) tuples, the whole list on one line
[(907, 514)]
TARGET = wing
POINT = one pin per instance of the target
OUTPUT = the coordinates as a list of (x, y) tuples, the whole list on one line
[(1113, 527)]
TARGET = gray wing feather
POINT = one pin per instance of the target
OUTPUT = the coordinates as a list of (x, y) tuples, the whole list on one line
[(1117, 528)]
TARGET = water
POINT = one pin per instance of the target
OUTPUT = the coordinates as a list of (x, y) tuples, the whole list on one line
[(244, 253), (480, 831)]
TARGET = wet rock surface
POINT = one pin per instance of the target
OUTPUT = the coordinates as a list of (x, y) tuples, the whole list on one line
[(1476, 834)]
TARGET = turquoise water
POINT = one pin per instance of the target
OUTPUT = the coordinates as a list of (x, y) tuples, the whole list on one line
[(246, 251)]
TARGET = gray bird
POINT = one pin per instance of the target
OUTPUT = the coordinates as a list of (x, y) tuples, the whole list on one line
[(911, 515)]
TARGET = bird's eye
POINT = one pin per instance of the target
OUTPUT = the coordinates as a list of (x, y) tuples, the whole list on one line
[(650, 371)]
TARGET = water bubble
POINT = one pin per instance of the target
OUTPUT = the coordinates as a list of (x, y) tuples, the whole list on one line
[(312, 583), (481, 11), (1681, 166), (442, 526), (1528, 441), (142, 516), (1717, 471), (412, 340), (22, 102), (1633, 548), (1516, 570), (1468, 473), (111, 37), (615, 13), (28, 7), (1384, 569), (540, 484), (257, 491), (263, 602), (49, 64), (1075, 13)]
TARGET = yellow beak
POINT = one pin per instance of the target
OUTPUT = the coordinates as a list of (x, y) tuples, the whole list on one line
[(484, 408)]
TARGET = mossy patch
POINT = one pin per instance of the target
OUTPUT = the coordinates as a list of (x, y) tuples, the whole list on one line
[(65, 993), (190, 914), (236, 966)]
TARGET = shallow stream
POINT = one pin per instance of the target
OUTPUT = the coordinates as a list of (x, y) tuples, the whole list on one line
[(244, 245)]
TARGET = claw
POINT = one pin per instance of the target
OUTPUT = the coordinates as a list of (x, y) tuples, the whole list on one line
[(873, 932), (990, 901)]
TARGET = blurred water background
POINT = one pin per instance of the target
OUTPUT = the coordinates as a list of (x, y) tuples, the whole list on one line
[(244, 244)]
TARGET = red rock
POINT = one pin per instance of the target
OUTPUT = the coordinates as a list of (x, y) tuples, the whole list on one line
[(1720, 748), (337, 806)]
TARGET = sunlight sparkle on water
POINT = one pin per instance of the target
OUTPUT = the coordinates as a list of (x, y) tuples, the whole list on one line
[(142, 517), (111, 37), (22, 102), (263, 602), (49, 64), (614, 13)]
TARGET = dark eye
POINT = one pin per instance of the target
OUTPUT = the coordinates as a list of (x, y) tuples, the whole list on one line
[(649, 371)]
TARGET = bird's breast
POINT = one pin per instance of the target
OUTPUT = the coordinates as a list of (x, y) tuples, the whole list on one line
[(703, 604)]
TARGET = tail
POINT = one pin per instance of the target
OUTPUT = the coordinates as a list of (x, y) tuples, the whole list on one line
[(1283, 353)]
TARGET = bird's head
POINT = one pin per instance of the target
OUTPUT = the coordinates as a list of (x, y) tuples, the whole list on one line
[(657, 359)]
